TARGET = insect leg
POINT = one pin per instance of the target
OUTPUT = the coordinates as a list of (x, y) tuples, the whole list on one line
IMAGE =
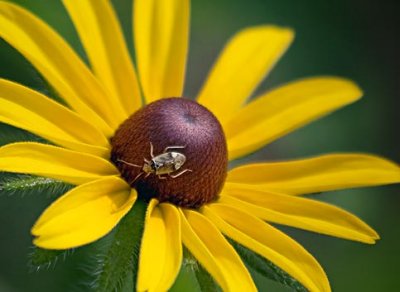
[(136, 178), (173, 147), (180, 173), (128, 163), (161, 177), (151, 150)]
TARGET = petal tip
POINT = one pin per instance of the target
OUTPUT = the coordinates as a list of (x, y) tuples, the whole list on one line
[(287, 33), (44, 244), (372, 242), (348, 86), (34, 230), (38, 242), (357, 91), (375, 236)]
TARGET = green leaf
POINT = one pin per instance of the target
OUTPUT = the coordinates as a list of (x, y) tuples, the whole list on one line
[(266, 268), (24, 185), (204, 279), (128, 284), (45, 258), (119, 259), (10, 134)]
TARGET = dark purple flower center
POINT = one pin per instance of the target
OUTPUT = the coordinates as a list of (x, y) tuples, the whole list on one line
[(188, 162)]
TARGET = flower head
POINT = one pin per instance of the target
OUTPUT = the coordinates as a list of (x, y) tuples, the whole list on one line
[(171, 152), (189, 164)]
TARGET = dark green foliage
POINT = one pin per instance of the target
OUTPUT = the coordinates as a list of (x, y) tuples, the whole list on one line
[(117, 261), (128, 284), (44, 258), (266, 268), (10, 134), (25, 185)]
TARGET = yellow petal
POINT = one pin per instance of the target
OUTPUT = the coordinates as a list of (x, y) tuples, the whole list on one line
[(59, 64), (300, 212), (322, 173), (29, 110), (215, 253), (202, 253), (270, 243), (101, 35), (84, 214), (55, 162), (285, 109), (161, 31), (246, 60), (161, 249), (173, 259), (152, 250)]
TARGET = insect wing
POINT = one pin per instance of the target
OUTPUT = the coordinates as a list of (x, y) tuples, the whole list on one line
[(179, 159), (164, 163)]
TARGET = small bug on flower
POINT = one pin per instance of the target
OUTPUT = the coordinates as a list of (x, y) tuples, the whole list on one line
[(165, 163)]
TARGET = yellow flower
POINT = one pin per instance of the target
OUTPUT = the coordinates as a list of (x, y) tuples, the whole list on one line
[(99, 99)]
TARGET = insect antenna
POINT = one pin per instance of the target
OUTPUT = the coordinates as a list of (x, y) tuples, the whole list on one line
[(173, 147), (128, 163)]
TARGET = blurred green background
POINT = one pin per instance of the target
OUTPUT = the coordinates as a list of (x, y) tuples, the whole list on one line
[(355, 39)]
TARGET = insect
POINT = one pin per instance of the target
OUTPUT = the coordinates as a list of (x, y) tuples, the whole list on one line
[(165, 163)]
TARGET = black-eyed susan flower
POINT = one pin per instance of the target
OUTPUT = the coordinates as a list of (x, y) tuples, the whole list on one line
[(120, 139)]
